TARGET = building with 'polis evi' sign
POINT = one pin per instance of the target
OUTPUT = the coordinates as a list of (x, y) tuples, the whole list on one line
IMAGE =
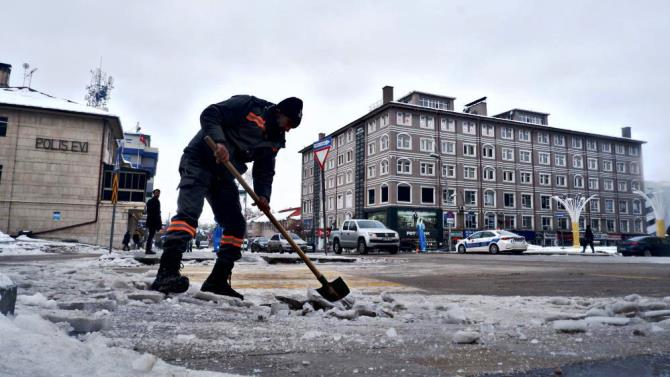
[(56, 159)]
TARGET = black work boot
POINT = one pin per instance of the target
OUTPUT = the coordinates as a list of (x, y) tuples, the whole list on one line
[(218, 281), (168, 278)]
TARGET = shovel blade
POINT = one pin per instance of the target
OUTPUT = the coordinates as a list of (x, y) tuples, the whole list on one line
[(334, 291)]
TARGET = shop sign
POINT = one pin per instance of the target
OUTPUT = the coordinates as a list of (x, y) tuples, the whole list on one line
[(61, 145)]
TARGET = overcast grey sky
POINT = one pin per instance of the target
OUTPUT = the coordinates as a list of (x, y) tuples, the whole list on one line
[(594, 65)]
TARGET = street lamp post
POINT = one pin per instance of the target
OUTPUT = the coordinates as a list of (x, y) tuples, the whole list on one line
[(574, 207), (657, 204)]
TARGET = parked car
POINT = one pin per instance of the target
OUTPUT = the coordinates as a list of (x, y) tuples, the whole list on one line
[(493, 241), (278, 243), (259, 244), (245, 244), (647, 246), (364, 235)]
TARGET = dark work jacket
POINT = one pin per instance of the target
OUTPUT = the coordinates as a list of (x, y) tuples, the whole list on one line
[(588, 235), (154, 214), (238, 123)]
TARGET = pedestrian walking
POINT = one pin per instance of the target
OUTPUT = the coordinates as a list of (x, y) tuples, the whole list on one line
[(588, 239), (136, 239), (154, 222), (245, 129), (126, 241)]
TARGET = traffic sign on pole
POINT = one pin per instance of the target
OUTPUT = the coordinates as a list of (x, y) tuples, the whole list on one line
[(321, 149)]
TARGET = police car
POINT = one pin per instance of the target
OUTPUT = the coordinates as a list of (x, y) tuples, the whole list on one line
[(493, 241)]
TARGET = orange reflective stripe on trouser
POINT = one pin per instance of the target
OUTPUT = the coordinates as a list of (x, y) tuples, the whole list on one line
[(178, 225), (231, 240), (260, 122)]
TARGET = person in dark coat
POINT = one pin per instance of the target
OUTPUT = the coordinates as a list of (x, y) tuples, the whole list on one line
[(588, 239), (245, 129), (126, 241), (154, 222), (136, 239)]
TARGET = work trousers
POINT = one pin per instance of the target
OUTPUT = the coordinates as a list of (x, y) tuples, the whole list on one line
[(199, 182)]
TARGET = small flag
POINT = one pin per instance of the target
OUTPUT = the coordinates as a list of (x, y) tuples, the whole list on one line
[(143, 140)]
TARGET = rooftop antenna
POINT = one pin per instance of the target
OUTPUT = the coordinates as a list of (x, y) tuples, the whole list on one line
[(28, 74), (98, 91)]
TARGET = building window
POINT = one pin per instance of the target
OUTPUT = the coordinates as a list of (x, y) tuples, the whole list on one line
[(404, 166), (638, 226), (542, 138), (579, 181), (427, 122), (489, 198), (510, 222), (526, 177), (562, 223), (545, 201), (559, 140), (349, 199), (384, 121), (339, 180), (372, 171), (609, 206), (384, 167), (371, 149), (448, 147), (488, 151), (471, 220), (508, 176), (593, 184), (527, 201), (350, 135), (404, 141), (561, 180), (489, 220), (545, 179), (331, 202), (577, 162), (606, 147), (340, 159), (525, 156), (507, 133), (371, 196), (577, 142), (469, 172), (508, 154), (404, 119), (634, 185), (623, 226), (634, 168), (489, 174), (608, 184), (559, 159), (132, 185), (427, 168), (449, 171), (404, 193), (546, 222), (3, 126), (447, 125), (591, 145), (449, 196), (527, 222), (384, 193), (469, 150), (372, 125), (469, 128), (508, 199), (340, 203), (623, 186), (426, 145), (607, 165), (633, 150), (623, 207), (384, 143), (595, 224), (427, 195), (619, 149), (637, 208), (524, 135), (609, 225), (488, 130), (544, 158), (620, 167), (592, 163), (331, 163), (470, 197), (350, 155)]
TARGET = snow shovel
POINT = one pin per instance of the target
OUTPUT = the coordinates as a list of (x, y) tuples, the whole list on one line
[(331, 291)]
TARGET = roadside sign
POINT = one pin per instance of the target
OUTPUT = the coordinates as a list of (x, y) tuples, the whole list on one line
[(56, 216), (321, 149), (560, 214), (450, 215)]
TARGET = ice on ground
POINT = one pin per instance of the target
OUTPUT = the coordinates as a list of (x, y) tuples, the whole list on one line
[(465, 337), (561, 301), (5, 281), (596, 312), (37, 299), (391, 333), (621, 307), (32, 346), (614, 321), (570, 326), (80, 322), (655, 315)]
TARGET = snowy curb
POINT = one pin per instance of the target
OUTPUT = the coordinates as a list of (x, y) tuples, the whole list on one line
[(7, 295)]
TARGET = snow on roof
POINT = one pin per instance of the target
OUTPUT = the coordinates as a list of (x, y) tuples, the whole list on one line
[(22, 96), (279, 216)]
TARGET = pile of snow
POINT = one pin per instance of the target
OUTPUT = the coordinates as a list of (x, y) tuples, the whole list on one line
[(5, 281), (5, 238), (24, 245), (31, 346), (611, 250)]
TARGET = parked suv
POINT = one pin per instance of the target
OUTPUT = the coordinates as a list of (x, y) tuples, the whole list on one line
[(278, 243), (365, 235)]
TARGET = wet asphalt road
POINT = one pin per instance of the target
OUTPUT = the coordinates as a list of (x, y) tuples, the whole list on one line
[(529, 275)]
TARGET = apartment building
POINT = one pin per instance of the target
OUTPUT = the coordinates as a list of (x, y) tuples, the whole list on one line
[(416, 157)]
